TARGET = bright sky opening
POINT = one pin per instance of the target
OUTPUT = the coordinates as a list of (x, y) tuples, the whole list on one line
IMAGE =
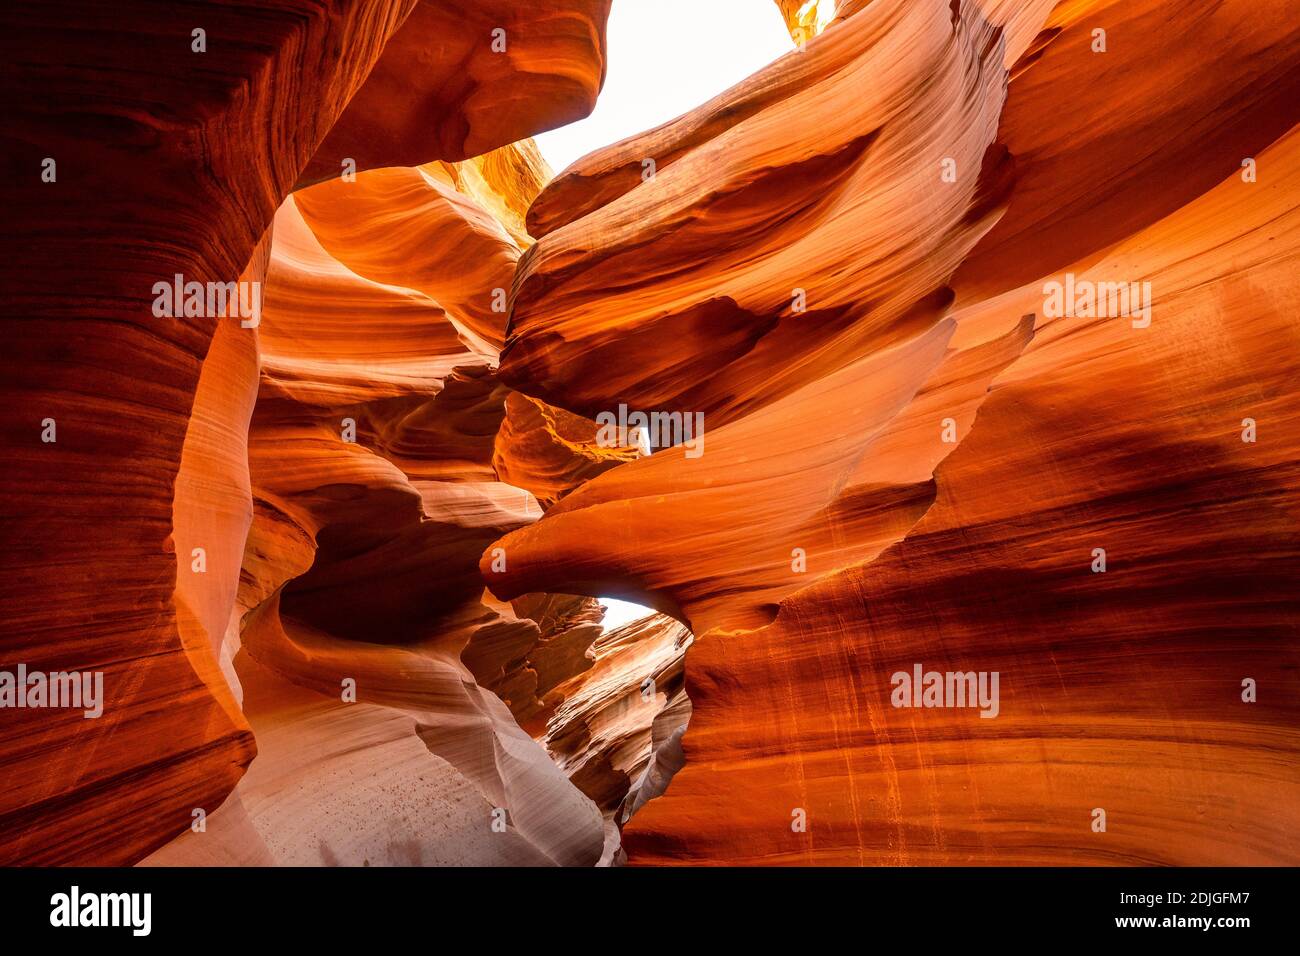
[(618, 613), (667, 57)]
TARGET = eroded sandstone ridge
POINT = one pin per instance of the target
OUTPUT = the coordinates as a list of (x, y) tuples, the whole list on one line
[(166, 517), (338, 559), (918, 466)]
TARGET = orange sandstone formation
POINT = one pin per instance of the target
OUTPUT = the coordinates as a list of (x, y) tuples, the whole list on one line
[(371, 449), (125, 527), (933, 490), (1121, 690), (1158, 128), (767, 261), (338, 560), (550, 451), (460, 79), (505, 182), (602, 734), (176, 169)]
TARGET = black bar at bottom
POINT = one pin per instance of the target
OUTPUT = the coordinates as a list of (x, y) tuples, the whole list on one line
[(659, 907)]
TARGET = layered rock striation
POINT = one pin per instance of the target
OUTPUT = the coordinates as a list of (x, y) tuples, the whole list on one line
[(928, 464), (161, 534), (981, 316)]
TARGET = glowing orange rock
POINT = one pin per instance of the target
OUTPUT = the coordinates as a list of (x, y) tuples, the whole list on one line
[(460, 79), (149, 180), (937, 492), (160, 147)]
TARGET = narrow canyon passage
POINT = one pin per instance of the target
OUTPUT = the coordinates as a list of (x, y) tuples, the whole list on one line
[(385, 457), (600, 438)]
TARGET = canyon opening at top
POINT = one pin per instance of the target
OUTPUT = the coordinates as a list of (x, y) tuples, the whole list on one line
[(668, 57)]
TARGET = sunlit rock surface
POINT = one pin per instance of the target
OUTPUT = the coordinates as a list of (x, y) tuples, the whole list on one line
[(602, 734), (340, 567), (805, 19), (933, 491), (371, 446), (776, 242)]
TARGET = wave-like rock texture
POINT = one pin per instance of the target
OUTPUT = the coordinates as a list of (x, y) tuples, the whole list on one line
[(142, 143), (461, 79), (339, 564), (602, 734), (919, 467), (690, 257), (370, 453), (173, 169)]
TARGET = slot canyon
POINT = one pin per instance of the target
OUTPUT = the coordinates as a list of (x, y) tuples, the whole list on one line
[(343, 545)]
